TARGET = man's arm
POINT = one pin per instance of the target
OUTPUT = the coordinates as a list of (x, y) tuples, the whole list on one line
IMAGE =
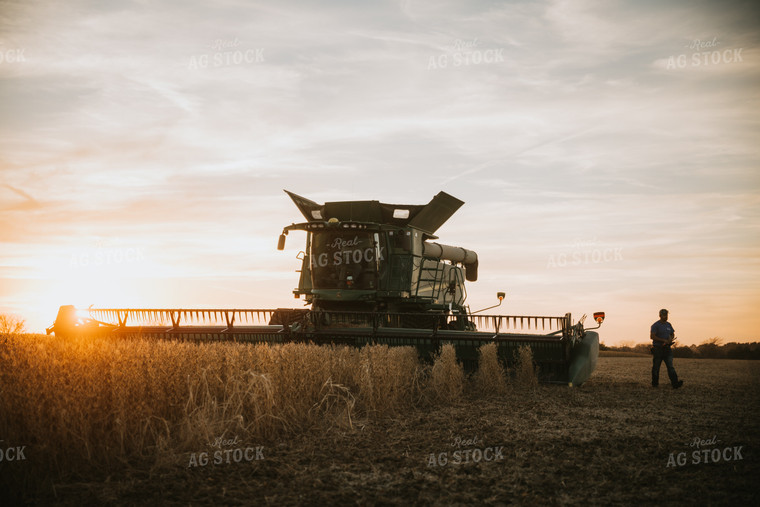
[(656, 338)]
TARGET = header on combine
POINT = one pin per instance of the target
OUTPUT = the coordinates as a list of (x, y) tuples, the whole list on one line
[(372, 273)]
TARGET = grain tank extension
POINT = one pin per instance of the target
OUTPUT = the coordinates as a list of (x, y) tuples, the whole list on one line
[(371, 273)]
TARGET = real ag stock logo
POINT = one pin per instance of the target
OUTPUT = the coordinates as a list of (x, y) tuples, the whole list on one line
[(584, 253), (15, 55), (11, 453), (226, 452), (226, 53), (465, 53), (704, 453), (705, 53), (464, 453), (106, 253)]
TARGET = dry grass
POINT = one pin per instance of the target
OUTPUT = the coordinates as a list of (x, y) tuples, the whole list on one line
[(389, 378), (91, 407), (446, 382), (526, 372), (491, 376), (94, 404)]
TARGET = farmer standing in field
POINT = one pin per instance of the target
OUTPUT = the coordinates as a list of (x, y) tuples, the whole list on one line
[(663, 335)]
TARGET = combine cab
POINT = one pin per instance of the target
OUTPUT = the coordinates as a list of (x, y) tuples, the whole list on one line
[(372, 273)]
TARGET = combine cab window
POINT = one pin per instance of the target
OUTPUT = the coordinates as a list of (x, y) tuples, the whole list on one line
[(345, 259)]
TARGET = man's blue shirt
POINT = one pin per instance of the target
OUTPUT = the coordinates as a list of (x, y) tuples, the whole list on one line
[(662, 330)]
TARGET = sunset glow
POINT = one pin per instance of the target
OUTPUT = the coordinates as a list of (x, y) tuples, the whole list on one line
[(604, 167)]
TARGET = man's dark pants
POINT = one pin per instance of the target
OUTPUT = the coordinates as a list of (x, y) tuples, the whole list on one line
[(663, 354)]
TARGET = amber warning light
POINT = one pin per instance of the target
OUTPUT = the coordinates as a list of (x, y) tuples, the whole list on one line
[(599, 317)]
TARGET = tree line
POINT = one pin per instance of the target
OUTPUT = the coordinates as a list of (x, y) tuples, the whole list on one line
[(713, 348)]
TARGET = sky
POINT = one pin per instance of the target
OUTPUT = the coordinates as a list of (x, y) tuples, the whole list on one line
[(607, 152)]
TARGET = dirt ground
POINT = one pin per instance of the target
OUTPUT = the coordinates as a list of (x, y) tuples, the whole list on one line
[(608, 442)]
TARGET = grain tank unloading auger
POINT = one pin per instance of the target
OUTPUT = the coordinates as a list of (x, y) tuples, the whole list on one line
[(371, 273)]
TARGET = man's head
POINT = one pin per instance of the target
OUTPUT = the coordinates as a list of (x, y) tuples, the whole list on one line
[(663, 315)]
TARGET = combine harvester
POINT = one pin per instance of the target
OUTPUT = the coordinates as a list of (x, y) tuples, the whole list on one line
[(371, 274)]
